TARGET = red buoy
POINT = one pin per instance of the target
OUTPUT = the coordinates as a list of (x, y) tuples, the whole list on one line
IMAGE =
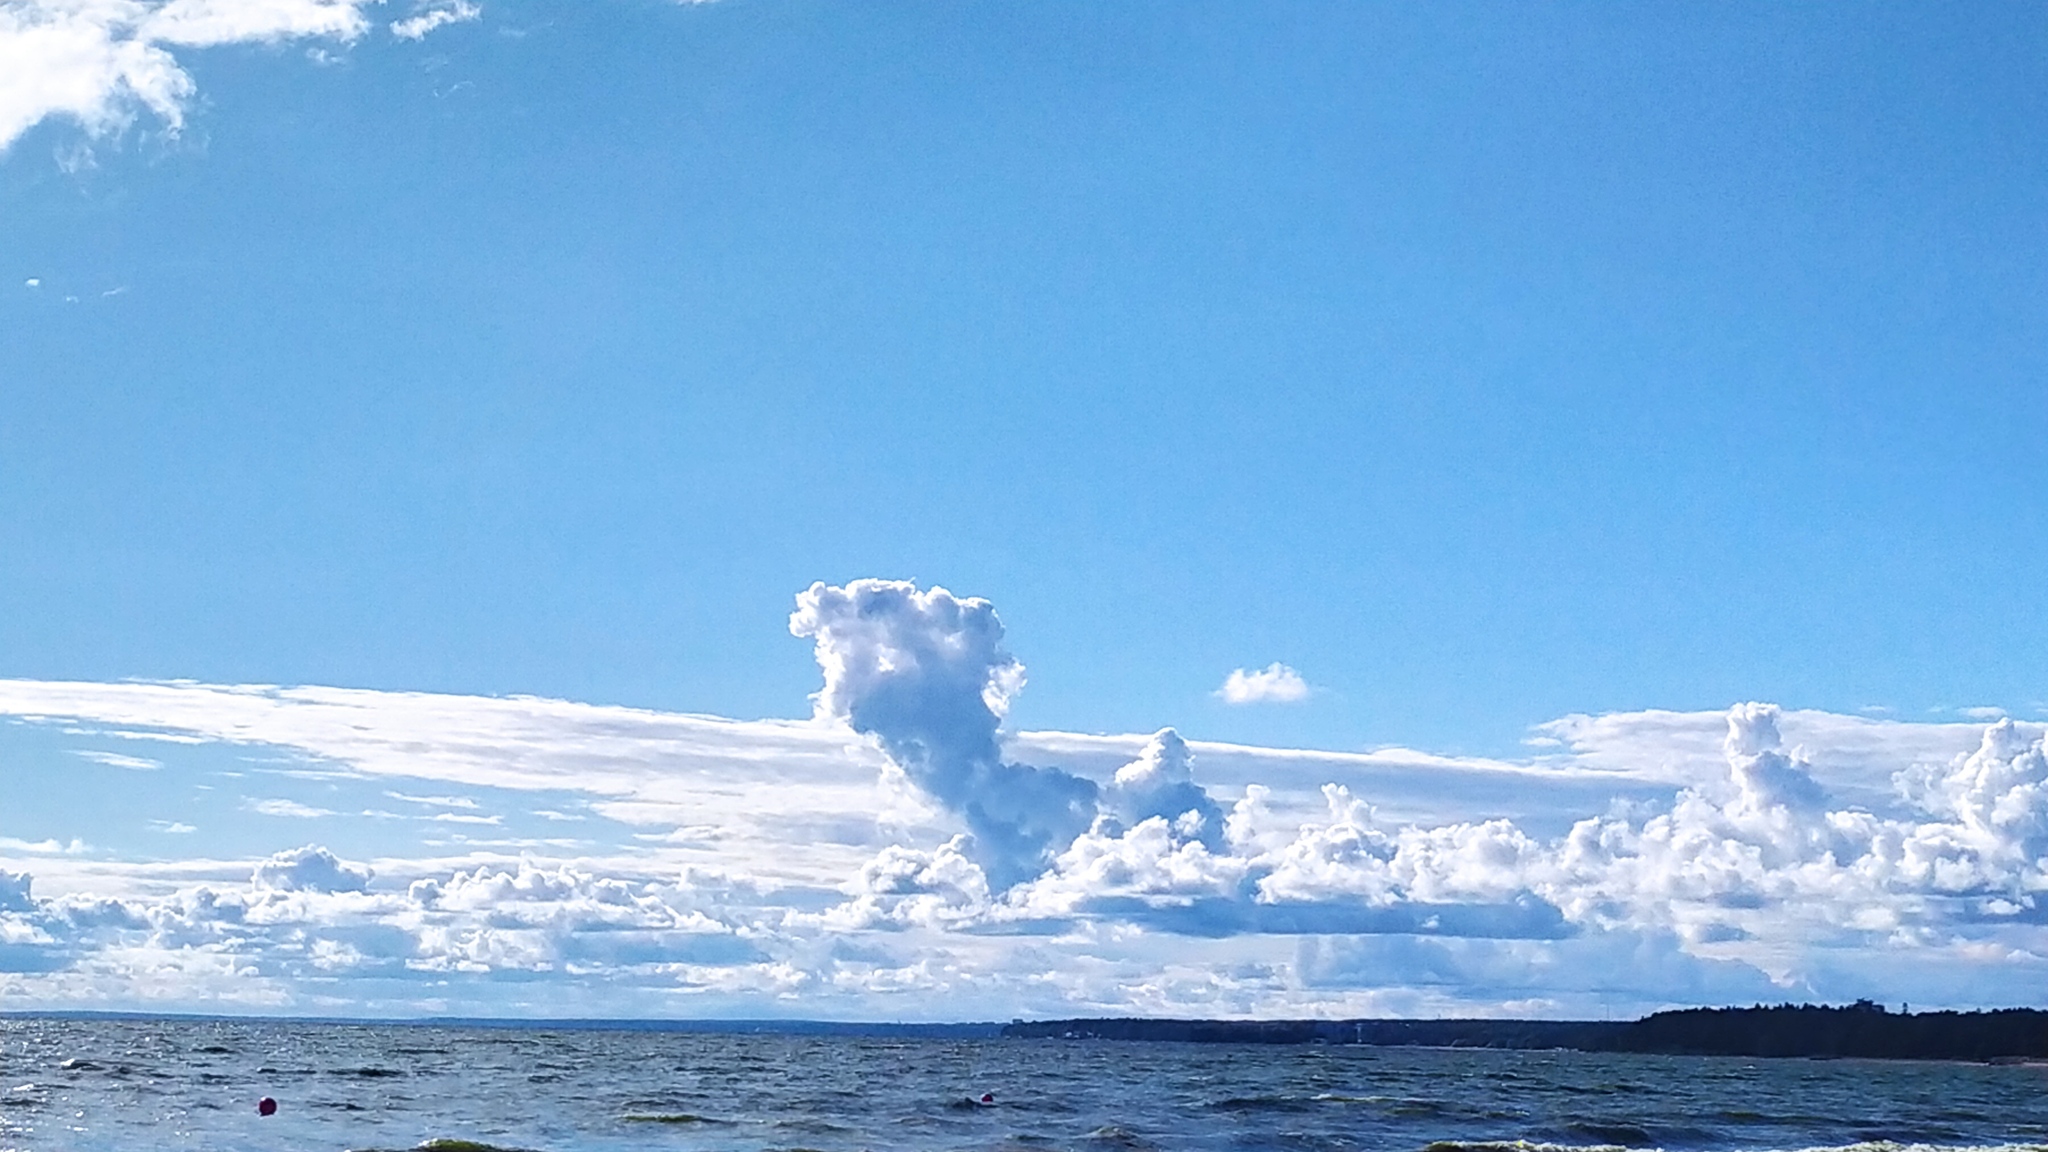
[(988, 1097), (266, 1107)]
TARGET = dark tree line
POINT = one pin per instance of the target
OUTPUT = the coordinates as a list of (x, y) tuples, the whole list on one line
[(1862, 1029)]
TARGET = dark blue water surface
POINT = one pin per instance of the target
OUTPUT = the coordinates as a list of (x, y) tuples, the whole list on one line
[(147, 1084)]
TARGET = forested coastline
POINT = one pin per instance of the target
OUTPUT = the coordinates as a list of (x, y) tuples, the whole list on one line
[(1862, 1029)]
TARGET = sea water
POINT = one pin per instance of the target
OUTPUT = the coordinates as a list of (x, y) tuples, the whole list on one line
[(115, 1085)]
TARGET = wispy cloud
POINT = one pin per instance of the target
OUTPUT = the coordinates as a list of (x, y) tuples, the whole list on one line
[(1276, 683), (435, 801), (117, 760), (435, 16), (292, 809)]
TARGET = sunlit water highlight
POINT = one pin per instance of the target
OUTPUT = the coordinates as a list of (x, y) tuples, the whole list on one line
[(116, 1085)]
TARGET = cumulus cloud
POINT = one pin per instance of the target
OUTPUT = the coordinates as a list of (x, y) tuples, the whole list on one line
[(14, 892), (904, 887), (309, 869), (925, 673), (1276, 683), (99, 63), (1160, 783)]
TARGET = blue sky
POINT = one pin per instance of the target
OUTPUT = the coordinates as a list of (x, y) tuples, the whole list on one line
[(1497, 396)]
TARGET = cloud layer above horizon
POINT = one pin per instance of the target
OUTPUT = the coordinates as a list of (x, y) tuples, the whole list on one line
[(901, 855)]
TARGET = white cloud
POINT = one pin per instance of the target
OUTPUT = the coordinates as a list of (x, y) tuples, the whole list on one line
[(926, 674), (435, 801), (33, 282), (100, 62), (435, 16), (49, 847), (309, 869), (1276, 683)]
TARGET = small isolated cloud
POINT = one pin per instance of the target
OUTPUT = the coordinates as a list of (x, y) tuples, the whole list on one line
[(1276, 683), (172, 827), (416, 27), (116, 760), (289, 808), (33, 282)]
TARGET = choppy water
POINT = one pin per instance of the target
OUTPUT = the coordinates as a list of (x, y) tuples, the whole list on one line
[(120, 1085)]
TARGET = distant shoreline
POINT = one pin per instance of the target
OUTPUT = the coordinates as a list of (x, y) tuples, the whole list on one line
[(1860, 1030)]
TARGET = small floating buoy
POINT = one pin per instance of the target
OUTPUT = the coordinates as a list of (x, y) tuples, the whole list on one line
[(988, 1097), (266, 1107)]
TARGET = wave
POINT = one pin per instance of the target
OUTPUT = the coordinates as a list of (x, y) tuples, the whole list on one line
[(1117, 1136), (455, 1144), (1858, 1146), (1260, 1104), (672, 1118)]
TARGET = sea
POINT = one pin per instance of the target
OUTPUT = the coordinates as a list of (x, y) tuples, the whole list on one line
[(112, 1085)]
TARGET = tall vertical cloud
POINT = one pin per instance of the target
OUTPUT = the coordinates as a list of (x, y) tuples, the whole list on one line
[(926, 674)]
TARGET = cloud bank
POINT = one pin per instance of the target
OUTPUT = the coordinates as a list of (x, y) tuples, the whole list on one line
[(900, 855)]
